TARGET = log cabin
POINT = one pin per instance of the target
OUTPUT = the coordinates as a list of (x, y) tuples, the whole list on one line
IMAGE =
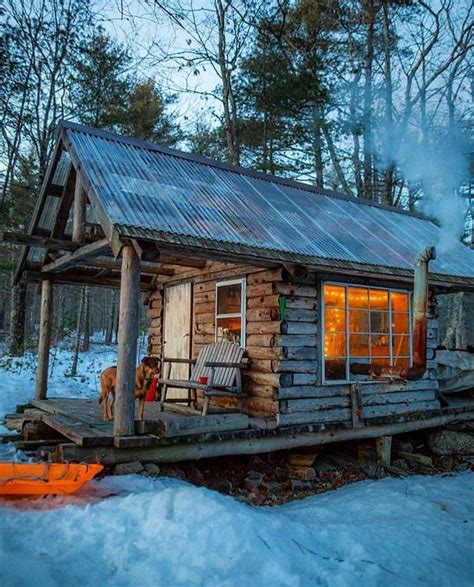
[(333, 298)]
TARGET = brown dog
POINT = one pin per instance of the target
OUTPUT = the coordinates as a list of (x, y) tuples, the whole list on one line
[(144, 373)]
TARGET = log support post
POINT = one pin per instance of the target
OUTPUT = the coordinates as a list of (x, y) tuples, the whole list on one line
[(79, 212), (46, 321), (124, 414), (384, 450)]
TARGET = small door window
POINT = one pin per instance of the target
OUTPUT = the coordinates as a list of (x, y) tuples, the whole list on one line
[(230, 311)]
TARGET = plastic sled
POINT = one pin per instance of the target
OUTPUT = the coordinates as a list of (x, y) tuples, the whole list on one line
[(44, 478)]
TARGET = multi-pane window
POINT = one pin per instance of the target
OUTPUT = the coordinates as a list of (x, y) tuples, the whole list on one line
[(230, 311), (364, 325)]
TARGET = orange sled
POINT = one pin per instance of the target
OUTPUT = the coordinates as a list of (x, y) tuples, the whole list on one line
[(44, 478)]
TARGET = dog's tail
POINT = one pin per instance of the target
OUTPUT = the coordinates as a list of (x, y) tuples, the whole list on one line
[(100, 399)]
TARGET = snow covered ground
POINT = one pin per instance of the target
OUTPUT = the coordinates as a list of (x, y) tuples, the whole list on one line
[(152, 532)]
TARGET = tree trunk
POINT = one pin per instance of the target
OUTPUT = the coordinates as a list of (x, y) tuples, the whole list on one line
[(317, 145), (110, 325), (87, 321), (368, 98), (388, 183), (17, 321)]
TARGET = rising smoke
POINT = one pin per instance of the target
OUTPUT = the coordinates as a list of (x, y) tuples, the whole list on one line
[(439, 168)]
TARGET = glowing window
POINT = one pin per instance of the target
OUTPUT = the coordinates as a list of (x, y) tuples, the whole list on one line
[(230, 311), (364, 325)]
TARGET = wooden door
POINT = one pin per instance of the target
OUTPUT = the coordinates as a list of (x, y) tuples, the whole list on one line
[(177, 331)]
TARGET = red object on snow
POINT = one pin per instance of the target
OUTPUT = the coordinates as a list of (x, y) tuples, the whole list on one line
[(151, 393)]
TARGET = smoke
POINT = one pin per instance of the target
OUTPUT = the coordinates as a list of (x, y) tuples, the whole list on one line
[(439, 168)]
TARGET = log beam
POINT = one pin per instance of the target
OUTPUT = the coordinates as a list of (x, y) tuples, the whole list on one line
[(32, 240), (188, 451), (85, 252), (79, 211), (124, 416), (46, 319)]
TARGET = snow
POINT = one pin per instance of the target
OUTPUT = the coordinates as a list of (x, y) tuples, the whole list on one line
[(130, 530)]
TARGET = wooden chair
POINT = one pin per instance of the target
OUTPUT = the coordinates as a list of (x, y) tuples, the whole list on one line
[(220, 362)]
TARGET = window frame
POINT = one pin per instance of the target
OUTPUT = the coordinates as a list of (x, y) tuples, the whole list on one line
[(346, 285), (243, 308)]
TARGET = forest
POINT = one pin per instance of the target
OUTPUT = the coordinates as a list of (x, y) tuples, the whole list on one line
[(371, 98)]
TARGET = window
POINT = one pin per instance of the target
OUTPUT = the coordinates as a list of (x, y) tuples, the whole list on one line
[(364, 325), (230, 311)]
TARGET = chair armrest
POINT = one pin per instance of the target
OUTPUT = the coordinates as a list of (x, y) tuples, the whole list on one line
[(186, 361), (240, 365)]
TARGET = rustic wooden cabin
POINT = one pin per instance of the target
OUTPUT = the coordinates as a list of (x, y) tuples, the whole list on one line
[(332, 298)]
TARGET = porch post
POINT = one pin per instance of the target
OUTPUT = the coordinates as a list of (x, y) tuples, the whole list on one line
[(124, 413), (46, 320)]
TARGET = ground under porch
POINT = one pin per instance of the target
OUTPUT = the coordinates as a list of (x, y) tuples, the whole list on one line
[(179, 433)]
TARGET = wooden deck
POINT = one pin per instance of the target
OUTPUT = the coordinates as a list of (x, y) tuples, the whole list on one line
[(180, 433)]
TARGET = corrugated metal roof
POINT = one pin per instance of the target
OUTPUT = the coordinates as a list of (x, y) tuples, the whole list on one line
[(153, 192)]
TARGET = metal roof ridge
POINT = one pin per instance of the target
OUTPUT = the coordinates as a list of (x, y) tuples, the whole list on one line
[(66, 124)]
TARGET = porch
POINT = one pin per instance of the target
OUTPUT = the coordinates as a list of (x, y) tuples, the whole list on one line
[(180, 434)]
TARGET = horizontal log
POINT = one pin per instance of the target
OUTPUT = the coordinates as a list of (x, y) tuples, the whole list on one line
[(155, 326), (154, 312), (259, 290), (203, 339), (270, 275), (370, 387), (269, 327), (299, 302), (315, 417), (273, 300), (288, 327), (204, 329), (154, 340), (198, 424), (310, 391), (253, 405), (261, 365), (207, 297), (54, 244), (260, 340), (264, 301), (156, 303), (300, 353), (300, 315), (295, 340), (263, 315), (205, 308), (288, 289), (258, 352), (295, 366), (308, 405), (305, 379), (272, 379), (208, 318), (381, 399), (266, 391), (402, 408), (204, 286), (69, 452)]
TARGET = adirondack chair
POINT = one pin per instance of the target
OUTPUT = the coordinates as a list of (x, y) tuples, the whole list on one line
[(220, 362)]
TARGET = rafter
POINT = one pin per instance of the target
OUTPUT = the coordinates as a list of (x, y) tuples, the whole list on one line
[(33, 240)]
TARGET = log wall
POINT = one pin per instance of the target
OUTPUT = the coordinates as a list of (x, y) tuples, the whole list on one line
[(283, 345)]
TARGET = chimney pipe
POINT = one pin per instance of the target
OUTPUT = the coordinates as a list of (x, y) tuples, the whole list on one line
[(420, 327)]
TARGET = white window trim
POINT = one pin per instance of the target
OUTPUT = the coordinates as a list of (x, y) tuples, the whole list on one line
[(346, 285), (243, 307)]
